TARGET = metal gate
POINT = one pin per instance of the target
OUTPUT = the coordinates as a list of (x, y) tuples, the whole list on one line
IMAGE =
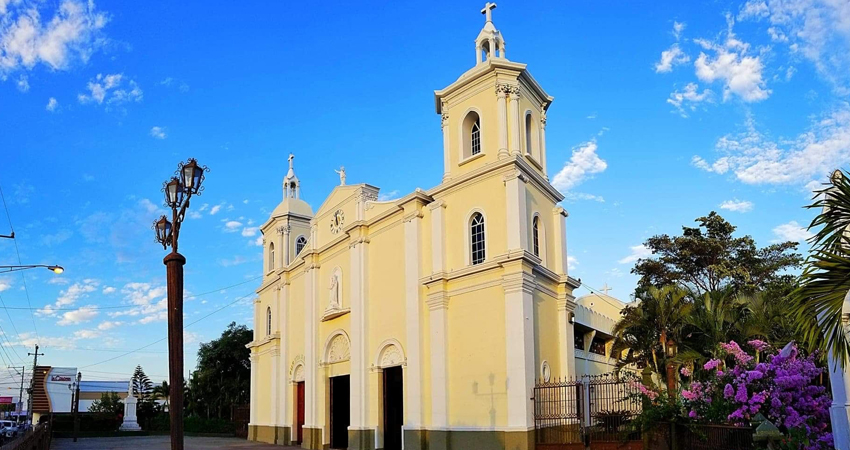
[(593, 412)]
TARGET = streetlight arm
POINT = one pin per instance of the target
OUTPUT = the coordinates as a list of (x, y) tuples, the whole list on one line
[(55, 269)]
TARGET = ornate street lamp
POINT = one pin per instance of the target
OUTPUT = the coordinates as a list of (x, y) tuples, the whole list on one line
[(178, 191)]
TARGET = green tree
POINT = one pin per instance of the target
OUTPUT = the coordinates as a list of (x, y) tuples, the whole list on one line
[(223, 375), (109, 403), (716, 317), (819, 301), (142, 385), (644, 330), (161, 391), (709, 258)]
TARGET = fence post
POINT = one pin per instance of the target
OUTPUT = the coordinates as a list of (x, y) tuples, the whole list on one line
[(674, 441)]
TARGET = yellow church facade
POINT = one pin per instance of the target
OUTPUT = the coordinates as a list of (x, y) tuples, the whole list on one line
[(422, 322)]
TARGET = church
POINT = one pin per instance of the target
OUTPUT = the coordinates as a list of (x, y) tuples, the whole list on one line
[(424, 322)]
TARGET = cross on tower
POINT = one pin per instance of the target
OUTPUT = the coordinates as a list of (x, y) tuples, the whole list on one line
[(291, 157), (605, 289), (488, 11)]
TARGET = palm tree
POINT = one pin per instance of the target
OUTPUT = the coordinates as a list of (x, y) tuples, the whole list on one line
[(716, 317), (645, 329), (825, 282), (161, 391)]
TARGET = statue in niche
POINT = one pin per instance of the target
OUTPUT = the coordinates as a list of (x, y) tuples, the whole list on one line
[(334, 302)]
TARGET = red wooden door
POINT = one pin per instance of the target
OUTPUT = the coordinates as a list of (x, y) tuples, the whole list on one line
[(299, 414)]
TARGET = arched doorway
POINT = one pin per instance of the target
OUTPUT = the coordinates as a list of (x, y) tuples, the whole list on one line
[(390, 362)]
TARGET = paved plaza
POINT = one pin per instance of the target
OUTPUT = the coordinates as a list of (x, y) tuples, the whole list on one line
[(159, 443)]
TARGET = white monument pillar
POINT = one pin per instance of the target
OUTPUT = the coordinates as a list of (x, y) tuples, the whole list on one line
[(130, 423), (839, 411)]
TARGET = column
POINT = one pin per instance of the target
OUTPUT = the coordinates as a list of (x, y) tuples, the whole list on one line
[(283, 371), (283, 245), (561, 264), (412, 273), (358, 294), (543, 141), (311, 355), (447, 156), (438, 236), (438, 306), (517, 211), (255, 375), (566, 334), (514, 121), (275, 389), (502, 118), (519, 337)]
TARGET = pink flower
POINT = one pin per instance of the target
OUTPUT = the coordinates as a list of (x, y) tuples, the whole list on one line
[(712, 364), (686, 371), (759, 345)]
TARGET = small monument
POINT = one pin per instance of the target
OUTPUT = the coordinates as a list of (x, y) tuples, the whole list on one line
[(130, 423)]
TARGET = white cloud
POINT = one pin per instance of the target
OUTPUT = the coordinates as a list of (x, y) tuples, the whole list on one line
[(385, 197), (737, 205), (148, 205), (87, 334), (25, 40), (233, 262), (4, 286), (232, 226), (583, 163), (70, 296), (111, 90), (670, 58), (215, 209), (150, 303), (108, 325), (755, 158), (689, 98), (84, 314), (791, 231), (52, 104), (56, 238), (819, 30), (23, 83), (250, 231), (572, 262), (638, 252), (584, 196), (731, 64), (158, 132), (108, 290), (258, 242), (678, 28)]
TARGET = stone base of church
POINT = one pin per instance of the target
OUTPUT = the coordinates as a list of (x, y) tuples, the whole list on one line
[(361, 439), (269, 434), (312, 438), (465, 439)]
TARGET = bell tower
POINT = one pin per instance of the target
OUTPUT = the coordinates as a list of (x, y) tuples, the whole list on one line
[(494, 111)]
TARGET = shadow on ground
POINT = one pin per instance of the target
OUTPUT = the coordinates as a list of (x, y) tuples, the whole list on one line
[(159, 443)]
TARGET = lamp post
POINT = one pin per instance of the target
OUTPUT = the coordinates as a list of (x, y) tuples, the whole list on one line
[(55, 269), (178, 190), (671, 368)]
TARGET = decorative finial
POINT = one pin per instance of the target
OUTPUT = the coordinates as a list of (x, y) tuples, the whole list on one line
[(488, 11)]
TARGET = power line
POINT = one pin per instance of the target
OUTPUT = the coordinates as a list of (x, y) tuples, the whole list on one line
[(160, 340), (17, 252)]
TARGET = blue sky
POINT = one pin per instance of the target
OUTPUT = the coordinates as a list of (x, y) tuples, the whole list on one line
[(663, 112)]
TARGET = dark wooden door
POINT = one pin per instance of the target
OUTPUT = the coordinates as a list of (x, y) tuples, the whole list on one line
[(299, 412), (393, 408), (340, 411)]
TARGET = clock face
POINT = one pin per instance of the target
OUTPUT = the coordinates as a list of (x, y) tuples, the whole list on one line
[(337, 221)]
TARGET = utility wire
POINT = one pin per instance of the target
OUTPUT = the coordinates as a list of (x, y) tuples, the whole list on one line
[(23, 277), (2, 302), (160, 340)]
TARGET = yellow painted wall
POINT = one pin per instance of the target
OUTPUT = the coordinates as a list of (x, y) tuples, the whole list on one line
[(546, 334), (486, 194)]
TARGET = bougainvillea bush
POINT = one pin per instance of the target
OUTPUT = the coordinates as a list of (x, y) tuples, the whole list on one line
[(781, 386)]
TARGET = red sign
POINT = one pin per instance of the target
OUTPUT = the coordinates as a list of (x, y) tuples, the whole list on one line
[(5, 400)]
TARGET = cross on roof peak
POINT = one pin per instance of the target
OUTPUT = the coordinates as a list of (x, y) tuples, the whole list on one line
[(605, 289), (488, 11)]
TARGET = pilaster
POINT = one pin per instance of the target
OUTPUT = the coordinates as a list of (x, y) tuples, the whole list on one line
[(412, 273), (438, 236), (283, 244), (514, 121), (543, 141), (275, 388), (502, 118), (311, 355), (519, 337), (447, 158), (566, 334), (255, 375), (560, 261), (358, 251), (517, 211), (438, 307), (283, 379)]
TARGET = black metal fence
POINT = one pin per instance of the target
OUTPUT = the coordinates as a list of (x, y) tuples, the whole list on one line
[(586, 412)]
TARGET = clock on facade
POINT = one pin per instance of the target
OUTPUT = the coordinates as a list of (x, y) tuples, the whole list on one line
[(337, 220)]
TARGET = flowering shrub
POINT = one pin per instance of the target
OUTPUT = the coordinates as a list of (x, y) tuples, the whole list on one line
[(782, 388)]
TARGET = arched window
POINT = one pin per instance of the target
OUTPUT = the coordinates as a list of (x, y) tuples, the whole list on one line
[(271, 256), (535, 234), (529, 128), (269, 321), (476, 239), (300, 243), (471, 134)]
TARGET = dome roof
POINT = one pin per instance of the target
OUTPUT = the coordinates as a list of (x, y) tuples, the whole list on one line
[(292, 205)]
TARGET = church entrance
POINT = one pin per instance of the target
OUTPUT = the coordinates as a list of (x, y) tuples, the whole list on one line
[(299, 412), (340, 410), (393, 407)]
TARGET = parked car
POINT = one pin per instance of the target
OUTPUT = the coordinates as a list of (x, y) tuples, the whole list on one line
[(9, 428)]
